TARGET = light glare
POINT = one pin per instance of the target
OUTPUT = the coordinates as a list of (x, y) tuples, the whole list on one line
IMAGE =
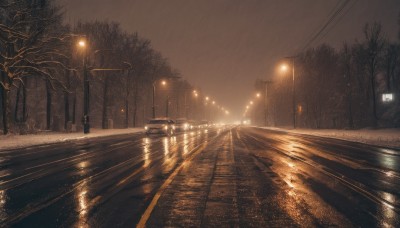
[(82, 43)]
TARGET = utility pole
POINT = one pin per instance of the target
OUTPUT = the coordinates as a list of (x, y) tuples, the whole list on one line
[(293, 96), (166, 106), (265, 100)]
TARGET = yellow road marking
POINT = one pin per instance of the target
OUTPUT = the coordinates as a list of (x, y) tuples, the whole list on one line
[(150, 208)]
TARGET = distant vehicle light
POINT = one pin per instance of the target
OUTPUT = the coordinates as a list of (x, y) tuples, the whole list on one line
[(146, 128), (166, 127)]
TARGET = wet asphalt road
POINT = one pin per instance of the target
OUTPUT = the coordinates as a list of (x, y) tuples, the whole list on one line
[(238, 177)]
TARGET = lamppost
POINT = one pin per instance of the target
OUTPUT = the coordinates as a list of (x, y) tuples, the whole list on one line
[(82, 44), (127, 96), (285, 68), (265, 97), (258, 96), (167, 107), (195, 94), (163, 82), (85, 118), (205, 107)]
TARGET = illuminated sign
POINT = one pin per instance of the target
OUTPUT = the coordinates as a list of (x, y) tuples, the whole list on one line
[(387, 97)]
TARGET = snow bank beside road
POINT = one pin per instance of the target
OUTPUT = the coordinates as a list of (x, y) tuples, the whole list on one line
[(20, 141), (381, 137)]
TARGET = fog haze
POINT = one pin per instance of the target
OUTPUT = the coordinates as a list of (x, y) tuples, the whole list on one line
[(224, 46)]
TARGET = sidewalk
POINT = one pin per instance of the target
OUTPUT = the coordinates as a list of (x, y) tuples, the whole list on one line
[(21, 141), (382, 137)]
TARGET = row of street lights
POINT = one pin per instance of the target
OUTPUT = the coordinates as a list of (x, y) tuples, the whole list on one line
[(208, 100), (264, 94), (82, 45), (195, 93)]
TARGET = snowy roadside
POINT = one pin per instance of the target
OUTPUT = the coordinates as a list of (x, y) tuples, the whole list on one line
[(21, 141), (381, 137)]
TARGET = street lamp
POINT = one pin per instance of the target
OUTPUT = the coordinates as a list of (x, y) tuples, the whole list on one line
[(85, 118), (127, 92), (163, 82), (265, 93), (285, 68), (195, 114), (82, 43)]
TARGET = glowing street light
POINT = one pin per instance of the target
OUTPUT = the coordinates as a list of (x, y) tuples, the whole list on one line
[(153, 108), (251, 102), (285, 68), (207, 98), (82, 43), (85, 118), (258, 95)]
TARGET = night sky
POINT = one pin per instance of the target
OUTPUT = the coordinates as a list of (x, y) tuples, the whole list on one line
[(223, 46)]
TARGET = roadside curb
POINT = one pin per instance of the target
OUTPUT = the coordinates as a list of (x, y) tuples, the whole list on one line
[(67, 140), (330, 137)]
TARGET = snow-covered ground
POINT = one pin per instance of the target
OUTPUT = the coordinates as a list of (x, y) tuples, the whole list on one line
[(20, 141), (380, 137)]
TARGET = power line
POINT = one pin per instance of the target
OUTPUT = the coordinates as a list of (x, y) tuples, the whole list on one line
[(337, 21), (333, 10), (332, 18)]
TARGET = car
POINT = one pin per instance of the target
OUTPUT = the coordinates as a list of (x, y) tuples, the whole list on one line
[(182, 124), (160, 126), (204, 124)]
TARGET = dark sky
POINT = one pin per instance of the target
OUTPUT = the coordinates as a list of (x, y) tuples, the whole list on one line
[(224, 45)]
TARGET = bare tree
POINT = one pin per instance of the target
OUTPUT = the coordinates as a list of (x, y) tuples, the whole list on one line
[(28, 46), (346, 64), (374, 43)]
